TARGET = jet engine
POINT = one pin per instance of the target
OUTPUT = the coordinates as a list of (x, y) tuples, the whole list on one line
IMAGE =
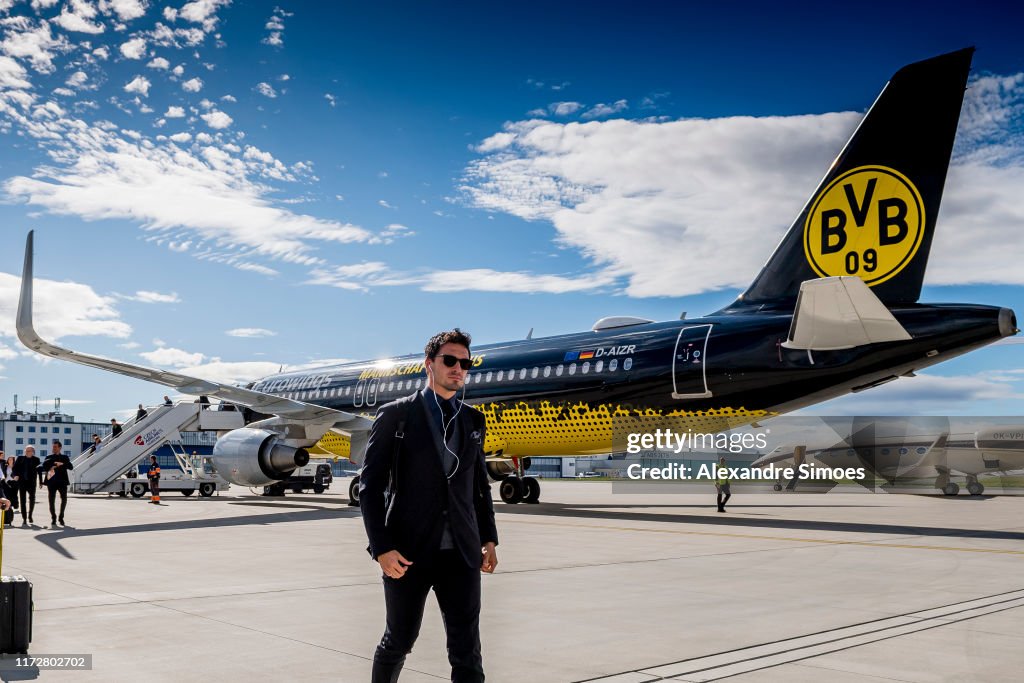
[(256, 457)]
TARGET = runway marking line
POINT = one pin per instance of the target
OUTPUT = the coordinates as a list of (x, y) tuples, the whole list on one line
[(825, 541)]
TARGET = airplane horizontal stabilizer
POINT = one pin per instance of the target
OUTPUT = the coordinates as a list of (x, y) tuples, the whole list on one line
[(840, 313)]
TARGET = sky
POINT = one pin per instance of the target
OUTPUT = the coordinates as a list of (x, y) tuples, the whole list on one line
[(227, 188)]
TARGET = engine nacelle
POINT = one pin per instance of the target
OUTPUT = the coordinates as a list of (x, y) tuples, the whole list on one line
[(255, 457)]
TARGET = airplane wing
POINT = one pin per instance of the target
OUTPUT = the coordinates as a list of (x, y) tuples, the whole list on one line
[(261, 402)]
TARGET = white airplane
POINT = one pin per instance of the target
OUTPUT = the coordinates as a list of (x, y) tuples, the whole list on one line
[(905, 450)]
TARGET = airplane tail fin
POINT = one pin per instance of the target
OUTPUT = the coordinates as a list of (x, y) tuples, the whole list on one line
[(873, 215)]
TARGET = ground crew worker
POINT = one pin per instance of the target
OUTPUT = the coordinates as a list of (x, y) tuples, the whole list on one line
[(154, 480), (722, 484)]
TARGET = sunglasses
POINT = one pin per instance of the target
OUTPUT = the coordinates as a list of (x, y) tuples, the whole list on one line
[(450, 361)]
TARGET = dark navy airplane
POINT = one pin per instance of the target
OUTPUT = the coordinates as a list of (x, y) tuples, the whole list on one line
[(834, 310)]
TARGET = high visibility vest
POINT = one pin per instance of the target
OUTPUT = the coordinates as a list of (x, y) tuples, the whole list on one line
[(723, 475)]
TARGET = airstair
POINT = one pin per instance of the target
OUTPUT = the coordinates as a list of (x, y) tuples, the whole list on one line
[(98, 468)]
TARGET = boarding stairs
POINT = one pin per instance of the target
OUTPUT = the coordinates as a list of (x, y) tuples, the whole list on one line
[(96, 469)]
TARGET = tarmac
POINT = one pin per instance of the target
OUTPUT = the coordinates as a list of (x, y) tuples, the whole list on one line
[(591, 585)]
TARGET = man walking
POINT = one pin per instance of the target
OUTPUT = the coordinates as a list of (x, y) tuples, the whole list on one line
[(722, 484), (428, 514), (55, 471), (26, 472)]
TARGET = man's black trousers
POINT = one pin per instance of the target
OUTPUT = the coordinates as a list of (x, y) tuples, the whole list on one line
[(27, 494), (63, 491), (457, 588)]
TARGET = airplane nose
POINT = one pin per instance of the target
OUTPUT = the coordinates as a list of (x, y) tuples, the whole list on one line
[(1007, 322)]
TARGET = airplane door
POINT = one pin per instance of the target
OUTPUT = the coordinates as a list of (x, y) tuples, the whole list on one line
[(371, 392), (357, 397), (689, 378)]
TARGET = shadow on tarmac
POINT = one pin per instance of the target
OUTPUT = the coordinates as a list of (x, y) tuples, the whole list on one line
[(622, 513), (54, 538)]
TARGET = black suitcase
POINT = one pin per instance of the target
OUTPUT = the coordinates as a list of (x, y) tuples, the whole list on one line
[(15, 614), (15, 611)]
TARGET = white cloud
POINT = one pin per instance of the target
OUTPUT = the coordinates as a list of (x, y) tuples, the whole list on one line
[(192, 85), (140, 85), (364, 276), (602, 110), (202, 11), (34, 41), (564, 108), (168, 356), (682, 207), (76, 16), (266, 90), (12, 74), (181, 138), (331, 100), (126, 10), (159, 63), (98, 175), (275, 25), (148, 297), (134, 48), (384, 204), (102, 52), (61, 309), (250, 332), (217, 119), (77, 79), (175, 112)]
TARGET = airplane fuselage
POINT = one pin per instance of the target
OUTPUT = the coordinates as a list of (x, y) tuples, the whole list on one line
[(581, 393)]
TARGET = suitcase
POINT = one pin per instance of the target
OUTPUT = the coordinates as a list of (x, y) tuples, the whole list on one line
[(15, 611), (15, 614)]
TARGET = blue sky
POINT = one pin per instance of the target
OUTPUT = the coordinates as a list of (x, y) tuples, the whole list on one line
[(227, 188)]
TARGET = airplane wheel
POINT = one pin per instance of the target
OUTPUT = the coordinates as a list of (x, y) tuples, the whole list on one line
[(187, 492), (318, 488), (777, 487), (353, 491), (951, 489), (511, 490), (531, 489), (206, 490), (138, 490), (975, 489)]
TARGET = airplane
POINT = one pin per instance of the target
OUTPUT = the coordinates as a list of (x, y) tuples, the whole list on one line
[(834, 310), (906, 450)]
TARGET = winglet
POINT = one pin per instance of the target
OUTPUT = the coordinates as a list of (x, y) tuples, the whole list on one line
[(26, 331)]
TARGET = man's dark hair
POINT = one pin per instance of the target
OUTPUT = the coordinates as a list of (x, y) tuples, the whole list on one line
[(455, 336)]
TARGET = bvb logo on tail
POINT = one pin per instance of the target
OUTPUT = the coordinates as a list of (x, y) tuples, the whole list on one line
[(868, 222)]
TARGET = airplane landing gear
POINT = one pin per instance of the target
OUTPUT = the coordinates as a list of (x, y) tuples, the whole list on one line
[(517, 487), (353, 491), (974, 487), (951, 489), (511, 489)]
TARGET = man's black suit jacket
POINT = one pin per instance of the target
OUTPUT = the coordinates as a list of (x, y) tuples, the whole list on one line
[(423, 491), (60, 474)]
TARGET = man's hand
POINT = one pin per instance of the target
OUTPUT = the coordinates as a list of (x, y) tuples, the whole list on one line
[(393, 564), (490, 558), (4, 504)]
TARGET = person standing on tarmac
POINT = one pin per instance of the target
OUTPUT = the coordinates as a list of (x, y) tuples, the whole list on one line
[(722, 484), (154, 480)]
